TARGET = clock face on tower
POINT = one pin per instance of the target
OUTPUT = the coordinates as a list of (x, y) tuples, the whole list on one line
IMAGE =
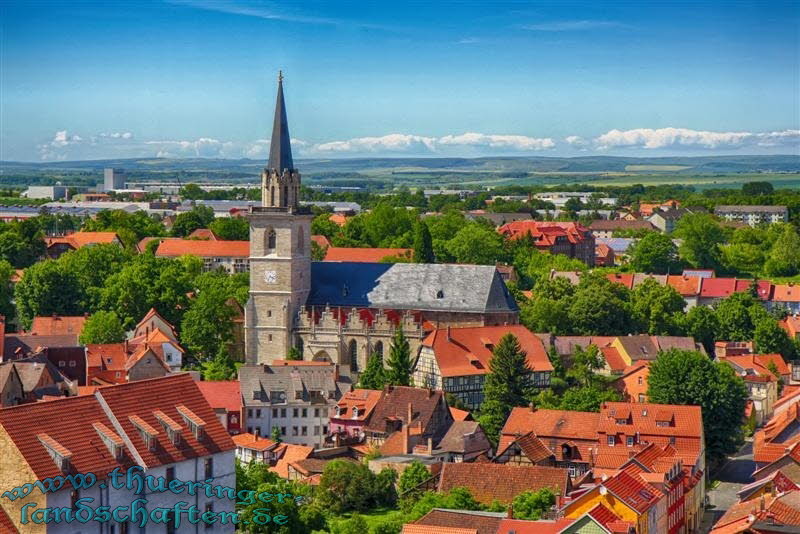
[(270, 277)]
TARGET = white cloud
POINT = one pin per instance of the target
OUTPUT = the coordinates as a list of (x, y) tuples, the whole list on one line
[(418, 144), (204, 147), (683, 137), (387, 143), (576, 141)]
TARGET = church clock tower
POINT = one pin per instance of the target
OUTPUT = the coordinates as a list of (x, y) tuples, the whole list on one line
[(280, 251)]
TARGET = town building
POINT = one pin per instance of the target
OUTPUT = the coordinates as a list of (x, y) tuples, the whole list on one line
[(11, 389), (602, 228), (163, 426), (763, 384), (457, 360), (367, 255), (351, 414), (230, 256), (113, 179), (225, 398), (294, 397), (57, 325), (343, 312), (775, 513), (52, 192), (56, 246), (753, 215), (254, 448), (568, 238)]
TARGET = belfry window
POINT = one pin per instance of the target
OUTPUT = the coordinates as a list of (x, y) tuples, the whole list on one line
[(271, 239)]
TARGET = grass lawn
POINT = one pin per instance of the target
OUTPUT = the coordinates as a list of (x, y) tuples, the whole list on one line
[(376, 516)]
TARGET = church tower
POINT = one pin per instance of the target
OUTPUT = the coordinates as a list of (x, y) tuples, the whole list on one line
[(280, 251)]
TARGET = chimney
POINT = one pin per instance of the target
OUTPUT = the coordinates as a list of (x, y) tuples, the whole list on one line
[(405, 438), (510, 513), (410, 414), (430, 392), (255, 434), (430, 446)]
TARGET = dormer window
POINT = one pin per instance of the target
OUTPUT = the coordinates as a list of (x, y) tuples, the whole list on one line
[(111, 440), (148, 433), (195, 423), (172, 428), (60, 454), (440, 294), (355, 412)]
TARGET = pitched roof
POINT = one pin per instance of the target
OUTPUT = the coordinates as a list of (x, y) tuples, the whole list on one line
[(263, 384), (464, 437), (410, 286), (57, 325), (686, 286), (556, 428), (290, 454), (791, 323), (775, 438), (633, 491), (620, 224), (364, 255), (393, 406), (222, 394), (642, 417), (203, 233), (460, 415), (482, 522), (20, 345), (412, 528), (81, 239), (246, 440), (363, 399), (205, 249), (717, 287), (546, 233), (757, 363), (468, 351), (763, 288), (6, 524), (639, 347), (531, 446), (758, 515), (69, 422), (541, 526), (786, 293), (321, 240), (280, 149)]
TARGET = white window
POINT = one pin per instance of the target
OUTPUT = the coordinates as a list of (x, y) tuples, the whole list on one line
[(610, 441), (630, 441)]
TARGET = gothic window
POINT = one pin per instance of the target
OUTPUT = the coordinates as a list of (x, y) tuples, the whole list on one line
[(285, 196), (378, 350), (352, 352), (299, 345), (271, 239), (272, 196)]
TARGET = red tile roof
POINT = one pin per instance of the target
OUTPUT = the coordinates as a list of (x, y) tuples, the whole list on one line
[(633, 491), (251, 441), (57, 325), (748, 516), (542, 526), (468, 351), (222, 394), (759, 363), (685, 421), (363, 399), (460, 415), (626, 279), (763, 288), (290, 454), (792, 325), (321, 240), (81, 239), (546, 233), (203, 234), (717, 287), (609, 520), (338, 218), (6, 525), (365, 255), (203, 249), (489, 482), (687, 286), (554, 428), (786, 293), (773, 441), (412, 528), (482, 522)]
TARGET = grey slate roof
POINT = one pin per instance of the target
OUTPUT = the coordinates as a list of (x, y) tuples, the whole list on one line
[(280, 150), (282, 385), (410, 286)]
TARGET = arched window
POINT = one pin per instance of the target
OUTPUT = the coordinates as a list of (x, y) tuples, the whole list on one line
[(352, 352), (300, 239), (271, 238), (285, 196), (378, 349), (272, 196), (299, 345)]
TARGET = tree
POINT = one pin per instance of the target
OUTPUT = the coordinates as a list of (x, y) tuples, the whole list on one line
[(784, 256), (505, 386), (230, 228), (399, 372), (476, 244), (355, 525), (702, 324), (770, 338), (423, 244), (655, 253), (587, 398), (735, 315), (294, 354), (207, 326), (102, 327), (275, 435), (93, 266), (323, 225), (757, 188), (655, 308), (189, 221), (702, 236), (46, 289), (351, 486), (600, 307), (533, 504), (318, 252), (410, 481), (374, 375), (689, 377), (6, 291), (220, 368), (585, 363)]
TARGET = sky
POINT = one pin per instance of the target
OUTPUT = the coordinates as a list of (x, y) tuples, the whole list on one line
[(188, 78)]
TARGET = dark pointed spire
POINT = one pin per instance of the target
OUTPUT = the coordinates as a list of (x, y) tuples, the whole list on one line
[(280, 150)]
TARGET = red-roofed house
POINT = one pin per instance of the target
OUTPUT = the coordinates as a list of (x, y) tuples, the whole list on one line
[(163, 425), (568, 238), (231, 256), (632, 384), (457, 359), (712, 290), (786, 296), (56, 246), (778, 436), (321, 240), (57, 325), (771, 515), (225, 399), (366, 255), (792, 326), (761, 382), (488, 482), (687, 286), (352, 412), (254, 448)]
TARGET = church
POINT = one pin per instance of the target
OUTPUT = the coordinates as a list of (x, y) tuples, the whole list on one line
[(339, 311)]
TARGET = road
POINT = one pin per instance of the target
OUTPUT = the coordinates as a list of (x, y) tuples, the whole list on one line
[(736, 473)]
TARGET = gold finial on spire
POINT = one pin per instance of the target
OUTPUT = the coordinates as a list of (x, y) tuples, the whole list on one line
[(280, 76)]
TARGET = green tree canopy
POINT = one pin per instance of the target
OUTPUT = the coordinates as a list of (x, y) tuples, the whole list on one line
[(189, 221), (655, 308), (688, 377), (231, 228), (399, 371), (533, 504), (374, 375), (476, 244), (102, 327), (48, 288), (423, 244), (655, 253), (702, 235)]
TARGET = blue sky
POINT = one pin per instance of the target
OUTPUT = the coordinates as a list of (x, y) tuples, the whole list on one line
[(181, 78)]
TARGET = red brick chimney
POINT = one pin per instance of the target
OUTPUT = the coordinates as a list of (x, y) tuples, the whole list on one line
[(405, 439), (510, 512), (410, 414)]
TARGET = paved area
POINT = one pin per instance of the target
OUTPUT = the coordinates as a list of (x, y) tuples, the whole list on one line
[(734, 474)]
